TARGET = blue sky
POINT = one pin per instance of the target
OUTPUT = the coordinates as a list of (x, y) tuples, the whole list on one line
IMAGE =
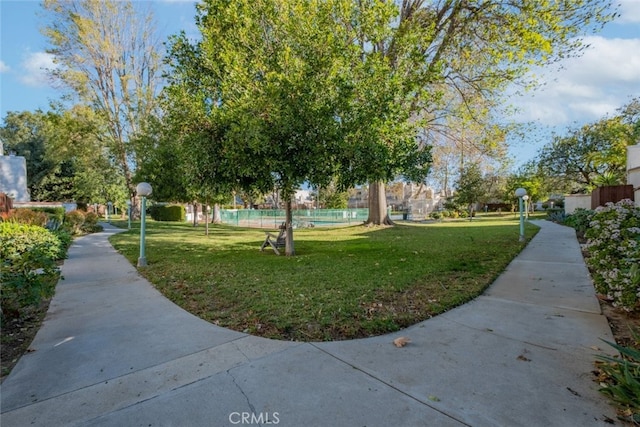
[(584, 90)]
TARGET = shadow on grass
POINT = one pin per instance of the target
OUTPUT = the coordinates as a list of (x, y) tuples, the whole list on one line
[(343, 283)]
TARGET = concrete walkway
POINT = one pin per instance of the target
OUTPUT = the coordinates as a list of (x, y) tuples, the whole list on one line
[(114, 352)]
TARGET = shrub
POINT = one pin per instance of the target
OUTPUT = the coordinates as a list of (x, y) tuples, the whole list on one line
[(28, 217), (167, 213), (90, 224), (435, 215), (579, 219), (53, 213), (556, 215), (73, 221), (91, 218), (65, 239), (28, 254), (613, 247)]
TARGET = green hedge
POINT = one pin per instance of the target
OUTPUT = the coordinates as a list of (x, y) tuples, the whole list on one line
[(28, 255), (167, 213)]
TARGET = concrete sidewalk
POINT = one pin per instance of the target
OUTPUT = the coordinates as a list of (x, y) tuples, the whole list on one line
[(114, 352)]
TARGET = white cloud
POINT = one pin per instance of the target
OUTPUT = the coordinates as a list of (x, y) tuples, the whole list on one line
[(35, 67), (587, 88), (629, 11), (3, 67)]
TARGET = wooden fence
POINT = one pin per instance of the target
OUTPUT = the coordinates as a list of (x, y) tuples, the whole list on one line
[(613, 193)]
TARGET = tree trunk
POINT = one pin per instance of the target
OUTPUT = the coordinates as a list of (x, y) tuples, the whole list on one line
[(195, 214), (217, 217), (289, 248), (378, 205), (205, 213)]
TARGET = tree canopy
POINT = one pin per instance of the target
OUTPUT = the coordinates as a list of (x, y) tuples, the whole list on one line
[(107, 56), (593, 154), (66, 160)]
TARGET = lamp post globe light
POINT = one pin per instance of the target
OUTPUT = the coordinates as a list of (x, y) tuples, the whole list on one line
[(143, 190), (520, 194)]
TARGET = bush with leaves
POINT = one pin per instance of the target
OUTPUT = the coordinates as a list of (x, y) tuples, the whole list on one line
[(579, 220), (90, 224), (27, 216), (65, 239), (613, 245), (167, 213), (73, 221), (28, 254)]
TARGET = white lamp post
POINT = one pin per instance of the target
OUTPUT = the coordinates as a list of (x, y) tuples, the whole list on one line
[(525, 198), (520, 194), (143, 190)]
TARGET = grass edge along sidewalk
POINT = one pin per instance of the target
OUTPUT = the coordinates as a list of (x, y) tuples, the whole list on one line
[(343, 283)]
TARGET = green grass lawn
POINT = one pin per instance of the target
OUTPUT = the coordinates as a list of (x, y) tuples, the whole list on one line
[(343, 282)]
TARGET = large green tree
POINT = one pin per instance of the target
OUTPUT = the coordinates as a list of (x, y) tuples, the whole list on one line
[(25, 133), (290, 94), (472, 51), (592, 154), (66, 160)]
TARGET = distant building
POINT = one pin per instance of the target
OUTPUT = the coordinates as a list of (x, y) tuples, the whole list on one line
[(417, 199), (13, 176)]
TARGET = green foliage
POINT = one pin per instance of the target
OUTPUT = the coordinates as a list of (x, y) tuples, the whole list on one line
[(27, 216), (91, 218), (73, 221), (28, 254), (65, 239), (90, 224), (331, 197), (622, 379), (533, 180), (471, 187), (580, 220), (613, 246), (168, 213), (556, 215), (593, 155), (53, 213)]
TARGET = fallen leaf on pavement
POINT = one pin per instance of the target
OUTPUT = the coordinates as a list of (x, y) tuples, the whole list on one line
[(401, 341)]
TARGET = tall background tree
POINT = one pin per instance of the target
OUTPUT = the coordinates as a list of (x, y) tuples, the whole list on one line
[(66, 158), (594, 154), (108, 57), (471, 52), (26, 134)]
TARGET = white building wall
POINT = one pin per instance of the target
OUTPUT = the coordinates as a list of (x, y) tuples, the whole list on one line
[(13, 178), (575, 201)]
